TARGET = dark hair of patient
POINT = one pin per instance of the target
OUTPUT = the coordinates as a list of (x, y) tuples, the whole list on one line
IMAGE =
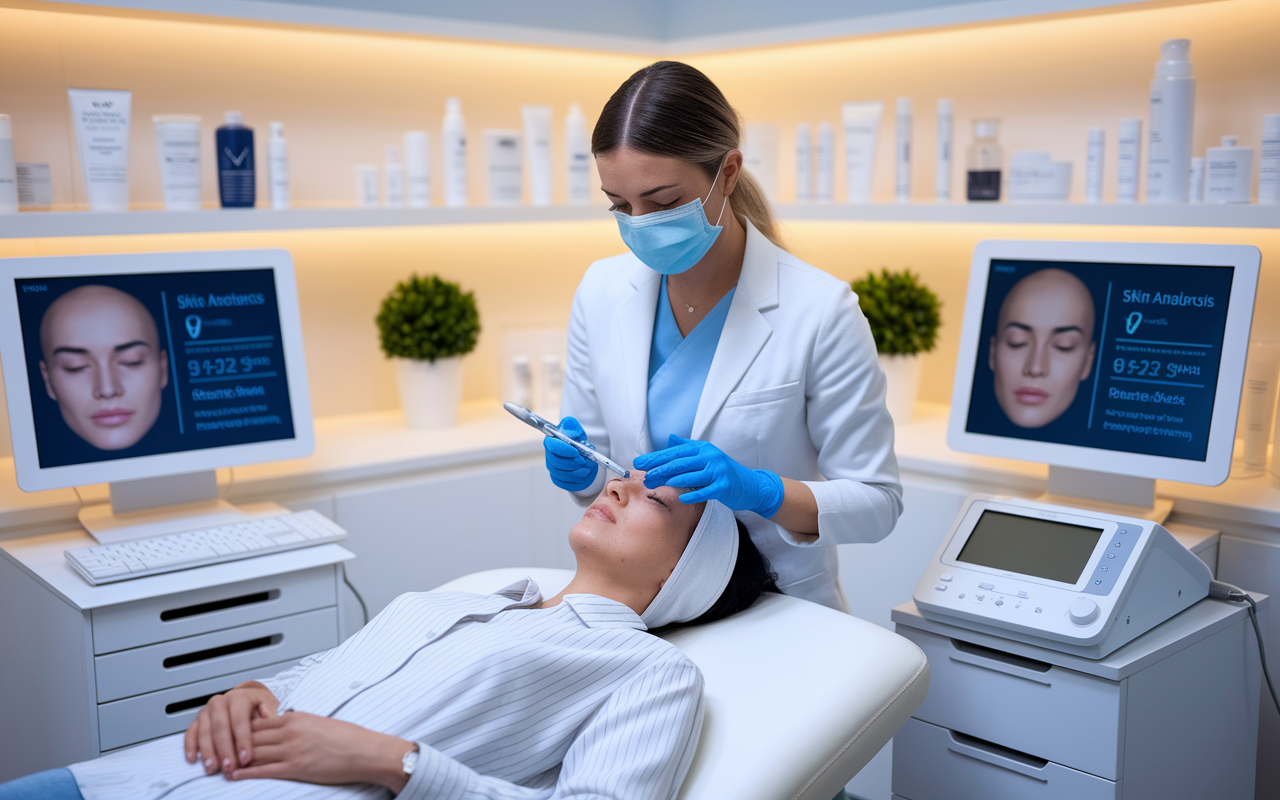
[(752, 577)]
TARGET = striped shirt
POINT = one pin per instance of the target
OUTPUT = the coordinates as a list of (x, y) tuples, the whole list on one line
[(506, 701)]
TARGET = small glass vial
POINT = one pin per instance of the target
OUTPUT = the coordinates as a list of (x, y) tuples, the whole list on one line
[(985, 160)]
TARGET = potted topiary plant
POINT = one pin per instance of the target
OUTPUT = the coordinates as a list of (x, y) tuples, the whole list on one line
[(904, 319), (426, 325)]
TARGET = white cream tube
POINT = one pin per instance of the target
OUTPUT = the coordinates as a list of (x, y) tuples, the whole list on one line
[(537, 152), (824, 179), (861, 126), (902, 153), (178, 143), (503, 163), (1258, 404), (101, 119)]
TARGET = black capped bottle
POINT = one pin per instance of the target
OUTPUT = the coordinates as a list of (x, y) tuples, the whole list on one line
[(985, 161), (237, 183)]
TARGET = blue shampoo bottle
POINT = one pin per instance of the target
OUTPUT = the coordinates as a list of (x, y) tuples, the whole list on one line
[(237, 184)]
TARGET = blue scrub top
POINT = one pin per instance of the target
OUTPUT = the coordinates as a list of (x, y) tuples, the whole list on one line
[(678, 368)]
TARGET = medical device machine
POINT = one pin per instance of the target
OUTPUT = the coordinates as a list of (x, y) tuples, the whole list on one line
[(149, 372), (1062, 578), (1115, 363), (551, 429)]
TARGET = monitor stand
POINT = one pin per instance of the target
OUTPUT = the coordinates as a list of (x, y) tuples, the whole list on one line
[(149, 507), (1107, 492)]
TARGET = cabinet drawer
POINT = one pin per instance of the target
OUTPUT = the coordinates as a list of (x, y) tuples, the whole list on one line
[(933, 763), (1053, 713), (138, 719), (175, 616), (159, 666)]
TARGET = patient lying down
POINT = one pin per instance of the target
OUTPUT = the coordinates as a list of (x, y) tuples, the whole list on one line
[(507, 695)]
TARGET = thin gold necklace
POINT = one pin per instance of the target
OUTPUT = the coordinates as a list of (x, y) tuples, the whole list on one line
[(693, 308)]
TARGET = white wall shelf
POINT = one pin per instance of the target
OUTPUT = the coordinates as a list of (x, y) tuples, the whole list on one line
[(83, 223), (36, 224), (1182, 215)]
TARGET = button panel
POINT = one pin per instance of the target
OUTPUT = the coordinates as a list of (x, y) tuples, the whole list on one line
[(1104, 576)]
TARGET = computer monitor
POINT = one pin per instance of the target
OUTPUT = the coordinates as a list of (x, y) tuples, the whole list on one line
[(1116, 358), (126, 367)]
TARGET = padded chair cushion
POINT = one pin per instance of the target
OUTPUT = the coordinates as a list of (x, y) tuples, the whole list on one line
[(799, 696)]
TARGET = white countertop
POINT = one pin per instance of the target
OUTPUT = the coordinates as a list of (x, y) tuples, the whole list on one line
[(378, 445)]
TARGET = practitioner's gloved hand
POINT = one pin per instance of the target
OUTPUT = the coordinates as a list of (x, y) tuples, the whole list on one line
[(688, 463), (570, 470)]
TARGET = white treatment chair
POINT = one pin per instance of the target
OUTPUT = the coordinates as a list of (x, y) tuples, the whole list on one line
[(799, 697)]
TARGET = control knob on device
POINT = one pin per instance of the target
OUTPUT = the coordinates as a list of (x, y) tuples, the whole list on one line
[(1083, 611)]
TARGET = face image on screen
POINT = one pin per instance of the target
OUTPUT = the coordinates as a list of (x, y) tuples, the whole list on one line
[(1040, 548), (121, 366), (1110, 356)]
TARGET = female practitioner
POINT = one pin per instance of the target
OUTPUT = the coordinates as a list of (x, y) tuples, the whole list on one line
[(712, 357)]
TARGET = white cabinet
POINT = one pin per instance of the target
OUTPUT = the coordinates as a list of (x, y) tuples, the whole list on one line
[(1171, 714)]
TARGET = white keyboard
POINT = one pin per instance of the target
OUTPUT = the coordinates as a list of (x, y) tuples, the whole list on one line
[(256, 537)]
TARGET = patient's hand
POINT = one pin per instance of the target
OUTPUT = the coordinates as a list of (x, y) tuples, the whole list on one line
[(221, 734), (297, 746)]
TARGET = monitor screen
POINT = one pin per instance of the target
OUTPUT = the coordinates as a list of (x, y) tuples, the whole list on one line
[(1041, 548), (1110, 357), (152, 365)]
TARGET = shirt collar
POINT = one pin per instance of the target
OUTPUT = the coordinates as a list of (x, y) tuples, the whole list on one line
[(601, 612)]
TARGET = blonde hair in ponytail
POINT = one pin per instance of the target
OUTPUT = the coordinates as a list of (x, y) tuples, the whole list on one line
[(671, 109)]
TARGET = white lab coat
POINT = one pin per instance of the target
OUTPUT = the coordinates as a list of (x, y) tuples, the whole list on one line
[(795, 387)]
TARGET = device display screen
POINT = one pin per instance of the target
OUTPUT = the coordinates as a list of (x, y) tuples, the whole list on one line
[(1108, 356), (1040, 548), (133, 365)]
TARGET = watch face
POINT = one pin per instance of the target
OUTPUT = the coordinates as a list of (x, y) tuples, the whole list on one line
[(409, 762)]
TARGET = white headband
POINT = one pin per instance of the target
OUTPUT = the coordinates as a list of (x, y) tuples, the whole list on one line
[(701, 573)]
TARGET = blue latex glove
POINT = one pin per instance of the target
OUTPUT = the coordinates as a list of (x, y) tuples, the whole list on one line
[(570, 469), (690, 463)]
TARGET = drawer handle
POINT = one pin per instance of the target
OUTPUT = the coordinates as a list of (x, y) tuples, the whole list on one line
[(997, 756), (1004, 663), (224, 650), (218, 605), (187, 705)]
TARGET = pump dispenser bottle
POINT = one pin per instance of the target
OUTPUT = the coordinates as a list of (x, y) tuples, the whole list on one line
[(577, 147), (455, 154), (278, 165), (1173, 95), (237, 184)]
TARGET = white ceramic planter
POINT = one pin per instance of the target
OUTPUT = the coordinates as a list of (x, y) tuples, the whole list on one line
[(430, 391), (903, 375)]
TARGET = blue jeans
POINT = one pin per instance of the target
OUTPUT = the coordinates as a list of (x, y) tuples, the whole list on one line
[(55, 784)]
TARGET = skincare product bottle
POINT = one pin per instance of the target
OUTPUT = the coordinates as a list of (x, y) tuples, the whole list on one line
[(1195, 194), (537, 152), (1257, 407), (1173, 95), (1269, 161), (502, 160), (393, 176), (942, 177), (984, 162), (522, 380), (101, 119), (1228, 172), (804, 163), (366, 185), (35, 185), (824, 179), (552, 384), (178, 144), (417, 165), (236, 179), (1095, 150), (455, 154), (902, 153), (8, 168), (1128, 156), (861, 128), (577, 155), (278, 166)]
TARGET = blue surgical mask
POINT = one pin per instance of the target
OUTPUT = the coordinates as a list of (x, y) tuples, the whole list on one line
[(672, 241)]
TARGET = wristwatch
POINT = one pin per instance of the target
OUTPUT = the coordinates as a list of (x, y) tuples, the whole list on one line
[(410, 761)]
